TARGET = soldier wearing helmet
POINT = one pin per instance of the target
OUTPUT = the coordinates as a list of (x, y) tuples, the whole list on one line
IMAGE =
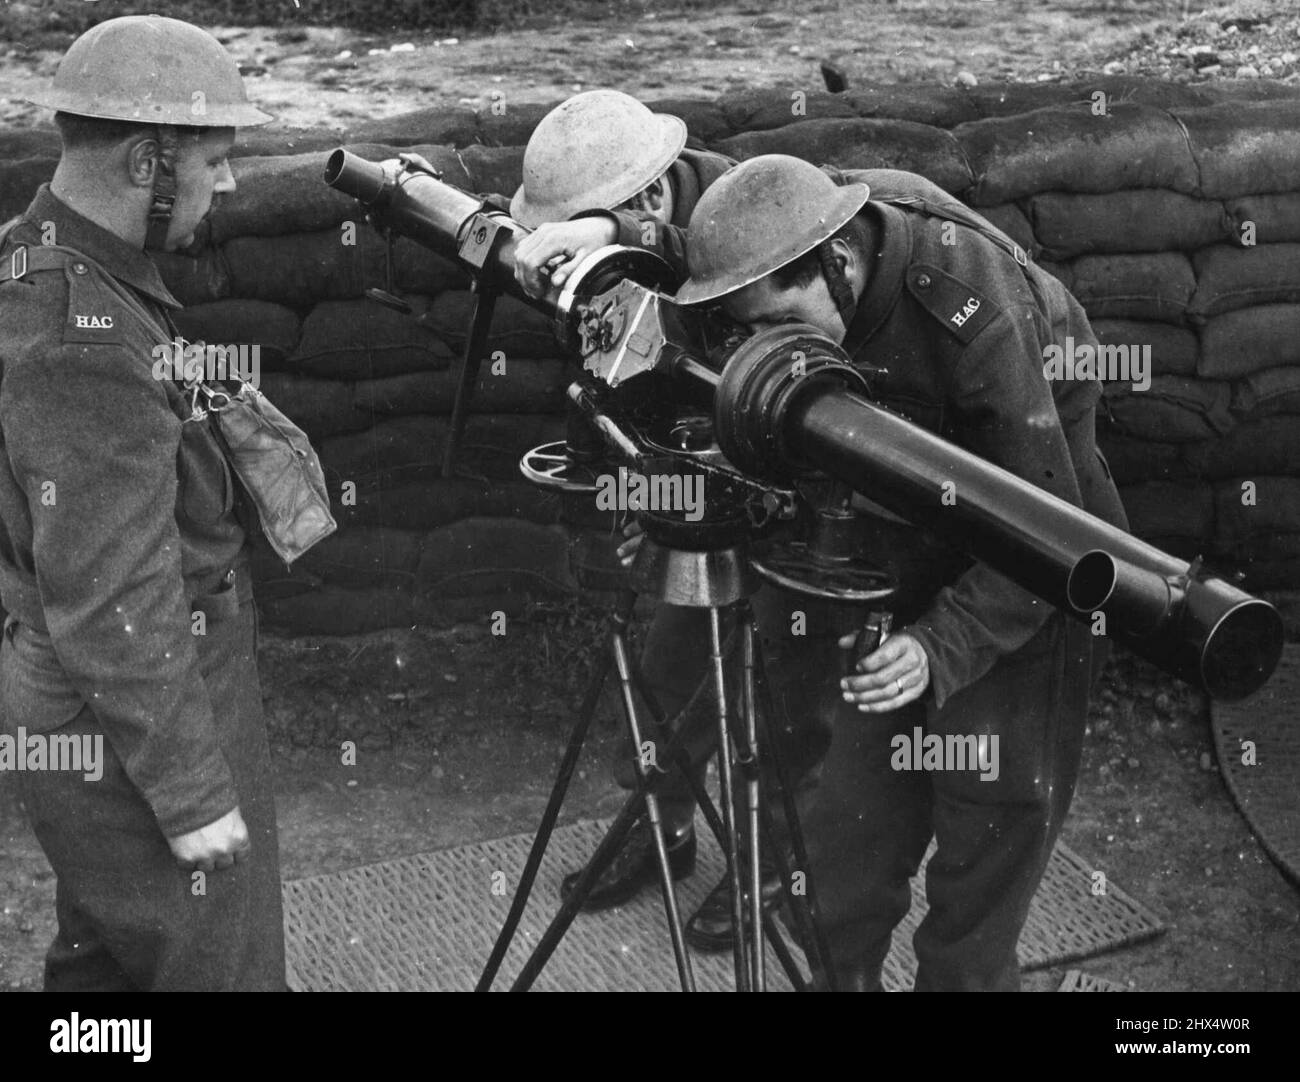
[(600, 169), (123, 548), (603, 169), (907, 279)]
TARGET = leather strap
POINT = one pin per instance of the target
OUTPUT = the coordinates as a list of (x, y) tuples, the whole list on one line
[(962, 216)]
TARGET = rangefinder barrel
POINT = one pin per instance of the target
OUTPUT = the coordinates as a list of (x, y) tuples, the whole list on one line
[(1188, 622), (363, 180)]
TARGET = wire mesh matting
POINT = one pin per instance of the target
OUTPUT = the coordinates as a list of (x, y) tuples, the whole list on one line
[(428, 922), (1258, 745), (1076, 980)]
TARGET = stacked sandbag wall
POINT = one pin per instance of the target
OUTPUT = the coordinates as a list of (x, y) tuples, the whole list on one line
[(1172, 212)]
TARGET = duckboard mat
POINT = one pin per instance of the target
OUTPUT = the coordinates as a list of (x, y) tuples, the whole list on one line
[(428, 922), (1257, 742)]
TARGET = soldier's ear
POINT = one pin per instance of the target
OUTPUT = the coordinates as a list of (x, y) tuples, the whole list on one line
[(142, 160), (849, 258), (654, 195)]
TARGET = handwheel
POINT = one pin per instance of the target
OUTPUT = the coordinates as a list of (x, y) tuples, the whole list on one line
[(549, 466), (794, 566)]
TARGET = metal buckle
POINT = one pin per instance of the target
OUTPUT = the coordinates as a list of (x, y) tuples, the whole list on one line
[(197, 412), (18, 262)]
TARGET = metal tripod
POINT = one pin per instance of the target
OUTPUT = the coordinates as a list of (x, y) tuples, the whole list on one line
[(717, 579)]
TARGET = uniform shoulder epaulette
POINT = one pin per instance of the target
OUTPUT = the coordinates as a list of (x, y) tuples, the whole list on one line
[(960, 307), (94, 311)]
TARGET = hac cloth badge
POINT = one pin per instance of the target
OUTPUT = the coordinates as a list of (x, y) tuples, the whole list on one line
[(274, 461)]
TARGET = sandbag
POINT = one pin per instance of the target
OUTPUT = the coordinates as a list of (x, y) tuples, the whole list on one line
[(1154, 286), (1009, 99), (21, 143), (492, 447), (424, 505), (1268, 447), (329, 407), (19, 181), (1267, 393), (195, 279), (1267, 547), (494, 170), (763, 110), (501, 123), (507, 123), (517, 330), (1164, 512), (1174, 409), (272, 580), (282, 194), (1247, 506), (705, 120), (1173, 349), (1062, 272), (261, 143), (861, 144), (320, 407), (301, 268), (1260, 575), (479, 554), (1069, 149), (1228, 277), (1009, 218), (521, 386), (1134, 220), (361, 339), (1276, 218), (367, 558), (271, 326), (1244, 148), (1248, 340), (450, 126), (939, 106), (1132, 460)]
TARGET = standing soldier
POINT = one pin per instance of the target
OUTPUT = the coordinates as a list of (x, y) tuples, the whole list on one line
[(601, 169), (906, 278), (123, 557)]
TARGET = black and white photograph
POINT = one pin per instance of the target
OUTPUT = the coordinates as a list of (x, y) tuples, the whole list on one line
[(610, 496)]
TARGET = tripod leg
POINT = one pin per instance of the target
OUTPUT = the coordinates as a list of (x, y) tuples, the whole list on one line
[(728, 807), (605, 852), (684, 973), (757, 960), (661, 733), (568, 764), (804, 906), (485, 299)]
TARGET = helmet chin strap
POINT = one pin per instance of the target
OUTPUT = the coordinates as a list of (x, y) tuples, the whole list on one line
[(164, 190), (837, 283)]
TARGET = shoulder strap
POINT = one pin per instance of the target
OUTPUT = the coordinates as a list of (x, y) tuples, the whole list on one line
[(963, 215)]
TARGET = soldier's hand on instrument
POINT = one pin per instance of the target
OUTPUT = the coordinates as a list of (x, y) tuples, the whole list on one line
[(628, 549), (892, 676), (220, 844), (548, 255)]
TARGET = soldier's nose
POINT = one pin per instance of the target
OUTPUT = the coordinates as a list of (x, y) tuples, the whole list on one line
[(225, 181)]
